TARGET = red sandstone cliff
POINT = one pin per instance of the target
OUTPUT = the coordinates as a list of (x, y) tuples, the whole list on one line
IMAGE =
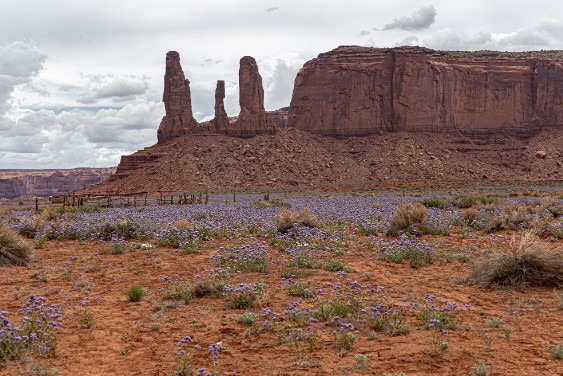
[(360, 91), (31, 183)]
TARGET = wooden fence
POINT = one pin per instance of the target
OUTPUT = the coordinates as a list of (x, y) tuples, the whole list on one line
[(112, 200)]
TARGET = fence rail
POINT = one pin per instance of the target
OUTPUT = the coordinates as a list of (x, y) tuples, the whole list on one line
[(109, 200)]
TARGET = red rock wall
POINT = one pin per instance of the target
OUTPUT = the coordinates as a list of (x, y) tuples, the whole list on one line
[(32, 183), (358, 91)]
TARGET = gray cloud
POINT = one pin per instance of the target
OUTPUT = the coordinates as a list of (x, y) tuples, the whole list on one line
[(278, 78), (363, 33), (117, 90), (540, 33), (272, 9), (418, 20), (409, 41), (19, 63), (80, 138)]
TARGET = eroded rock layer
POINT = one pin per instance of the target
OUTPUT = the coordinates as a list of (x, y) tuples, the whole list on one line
[(177, 100), (353, 91)]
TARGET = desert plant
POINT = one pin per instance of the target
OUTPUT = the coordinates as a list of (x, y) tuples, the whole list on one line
[(433, 202), (495, 322), (344, 341), (528, 262), (361, 359), (438, 347), (481, 370), (555, 350), (334, 265), (135, 293), (248, 318), (13, 250), (300, 289), (408, 217), (287, 219)]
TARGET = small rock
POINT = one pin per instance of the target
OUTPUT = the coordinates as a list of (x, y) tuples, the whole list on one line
[(541, 154)]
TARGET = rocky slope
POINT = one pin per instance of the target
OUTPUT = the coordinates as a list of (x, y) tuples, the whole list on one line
[(422, 115), (31, 183), (296, 159), (353, 91)]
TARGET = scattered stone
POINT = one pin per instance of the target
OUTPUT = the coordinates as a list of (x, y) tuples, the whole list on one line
[(541, 154)]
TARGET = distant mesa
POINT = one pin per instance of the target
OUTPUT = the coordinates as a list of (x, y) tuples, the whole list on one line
[(358, 91)]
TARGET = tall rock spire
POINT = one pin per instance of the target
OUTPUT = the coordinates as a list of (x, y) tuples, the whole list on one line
[(221, 120), (177, 100), (252, 119)]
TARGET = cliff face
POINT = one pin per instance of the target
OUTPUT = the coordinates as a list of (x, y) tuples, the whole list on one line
[(31, 183), (360, 91)]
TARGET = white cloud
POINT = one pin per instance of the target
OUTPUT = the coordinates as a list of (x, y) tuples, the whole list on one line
[(544, 33), (19, 63), (118, 90), (418, 20), (79, 137)]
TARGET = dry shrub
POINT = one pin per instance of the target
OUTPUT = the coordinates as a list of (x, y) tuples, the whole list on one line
[(13, 250), (183, 224), (529, 262), (408, 217), (469, 215), (287, 219)]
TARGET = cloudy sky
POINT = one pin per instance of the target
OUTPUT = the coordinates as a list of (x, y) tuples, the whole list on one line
[(81, 81)]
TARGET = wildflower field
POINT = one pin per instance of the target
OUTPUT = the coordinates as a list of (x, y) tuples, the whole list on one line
[(447, 282)]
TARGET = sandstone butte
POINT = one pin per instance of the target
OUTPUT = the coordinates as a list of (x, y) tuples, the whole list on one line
[(475, 115), (355, 91)]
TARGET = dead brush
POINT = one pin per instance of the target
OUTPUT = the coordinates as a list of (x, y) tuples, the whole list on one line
[(13, 250), (287, 219), (183, 224), (529, 262), (408, 217)]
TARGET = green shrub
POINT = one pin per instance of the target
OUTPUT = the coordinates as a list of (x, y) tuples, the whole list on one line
[(495, 322), (135, 293), (13, 250), (334, 265), (300, 289), (248, 318), (433, 202), (555, 350)]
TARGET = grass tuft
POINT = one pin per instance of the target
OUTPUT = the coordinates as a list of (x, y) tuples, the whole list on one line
[(528, 263), (13, 250)]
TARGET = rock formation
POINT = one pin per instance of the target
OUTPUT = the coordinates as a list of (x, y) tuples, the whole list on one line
[(252, 119), (354, 91), (221, 121), (32, 183), (177, 100)]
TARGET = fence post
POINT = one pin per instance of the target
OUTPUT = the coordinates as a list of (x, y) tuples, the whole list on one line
[(36, 204), (234, 196), (206, 197)]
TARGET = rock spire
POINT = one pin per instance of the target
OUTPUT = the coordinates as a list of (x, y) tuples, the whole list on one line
[(177, 100)]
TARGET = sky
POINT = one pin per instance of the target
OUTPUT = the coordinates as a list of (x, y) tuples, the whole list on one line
[(81, 81)]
